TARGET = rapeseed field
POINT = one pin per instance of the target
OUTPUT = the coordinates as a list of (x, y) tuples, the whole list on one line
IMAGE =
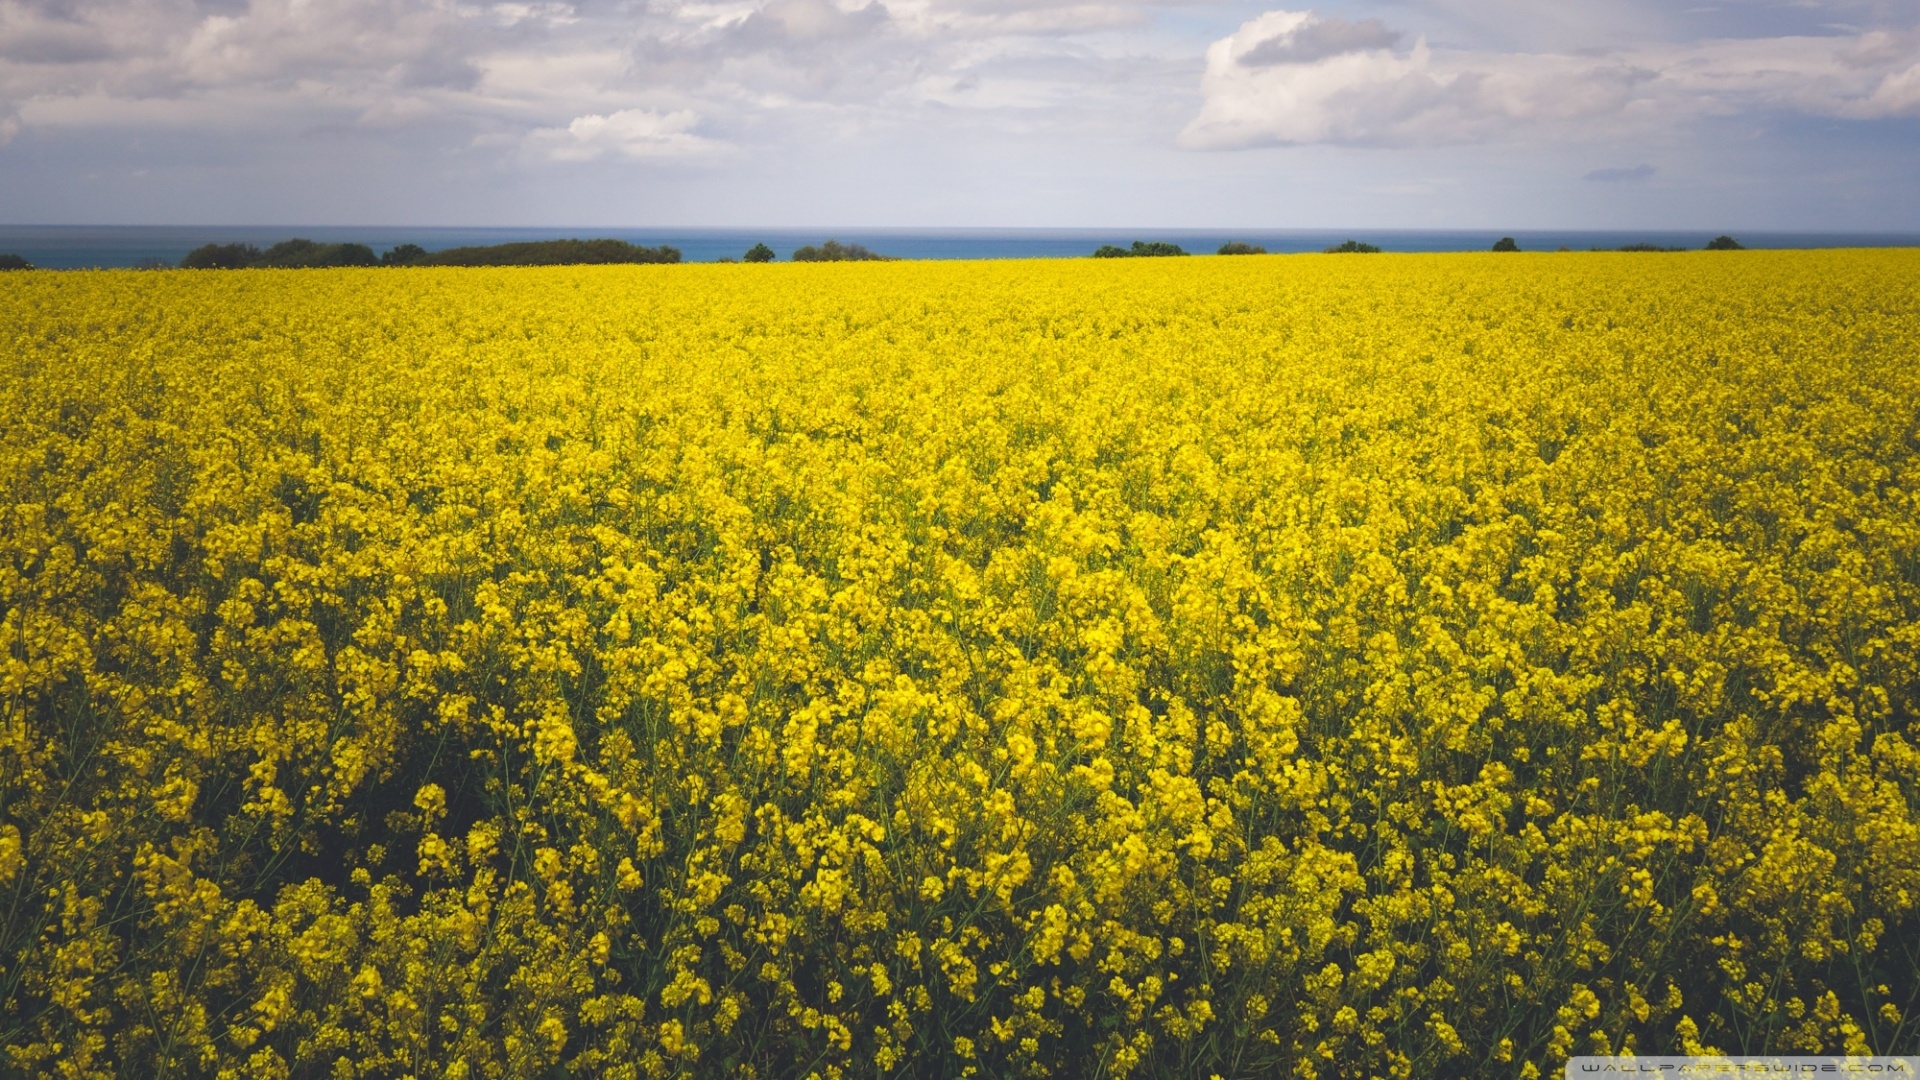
[(1415, 666)]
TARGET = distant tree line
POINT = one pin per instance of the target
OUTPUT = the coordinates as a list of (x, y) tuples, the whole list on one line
[(833, 251), (1722, 242), (545, 253), (1150, 249), (286, 253), (1505, 243), (300, 252)]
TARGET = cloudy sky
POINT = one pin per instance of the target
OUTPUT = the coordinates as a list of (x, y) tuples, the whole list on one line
[(1757, 114)]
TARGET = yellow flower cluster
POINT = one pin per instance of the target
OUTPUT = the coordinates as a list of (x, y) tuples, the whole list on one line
[(1414, 666)]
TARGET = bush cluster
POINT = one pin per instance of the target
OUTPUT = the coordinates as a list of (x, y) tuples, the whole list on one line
[(297, 252), (1140, 249), (550, 253), (300, 252), (835, 251)]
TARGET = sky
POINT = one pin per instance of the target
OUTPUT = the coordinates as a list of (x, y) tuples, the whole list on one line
[(1522, 114)]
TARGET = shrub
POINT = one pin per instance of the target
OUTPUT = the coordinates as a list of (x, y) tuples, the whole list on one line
[(220, 257), (1241, 247), (301, 253), (298, 252), (552, 253), (348, 255), (1353, 247), (1149, 249), (835, 251), (758, 253), (1723, 242), (14, 262), (1648, 247), (1505, 243)]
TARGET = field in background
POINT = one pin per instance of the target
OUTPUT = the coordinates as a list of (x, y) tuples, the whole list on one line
[(1412, 665)]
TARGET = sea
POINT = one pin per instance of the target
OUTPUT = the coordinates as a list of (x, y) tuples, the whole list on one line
[(104, 246)]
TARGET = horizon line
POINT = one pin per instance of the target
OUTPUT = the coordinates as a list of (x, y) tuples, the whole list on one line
[(1447, 230)]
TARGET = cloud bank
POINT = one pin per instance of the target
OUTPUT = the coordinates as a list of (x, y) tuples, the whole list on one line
[(1294, 77), (993, 102), (596, 79), (631, 133)]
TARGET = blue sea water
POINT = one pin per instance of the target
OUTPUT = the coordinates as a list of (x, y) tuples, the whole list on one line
[(79, 246)]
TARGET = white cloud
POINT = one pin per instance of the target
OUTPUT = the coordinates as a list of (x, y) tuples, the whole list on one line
[(1897, 95), (279, 42), (1289, 77), (631, 133), (324, 55), (1299, 38), (779, 53), (788, 23)]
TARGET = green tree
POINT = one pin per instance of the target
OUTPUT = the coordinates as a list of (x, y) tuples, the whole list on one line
[(835, 251), (301, 252), (759, 253), (1151, 248), (220, 257), (552, 253), (1723, 242), (14, 262), (298, 251), (350, 255), (1505, 243), (403, 254), (1241, 247), (1353, 246)]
